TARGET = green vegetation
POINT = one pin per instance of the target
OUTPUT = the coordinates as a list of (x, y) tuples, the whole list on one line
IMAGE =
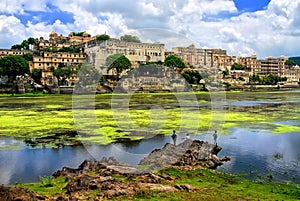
[(28, 56), (87, 75), (48, 120), (103, 37), (130, 38), (13, 65), (237, 66), (296, 60), (36, 75), (25, 45), (79, 34), (270, 79), (210, 185), (47, 186), (70, 49), (220, 186), (225, 72), (191, 76), (117, 62), (174, 61), (290, 63), (64, 73)]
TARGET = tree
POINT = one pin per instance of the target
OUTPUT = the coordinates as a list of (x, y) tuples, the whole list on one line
[(31, 41), (237, 66), (130, 38), (13, 66), (63, 73), (118, 62), (71, 49), (25, 45), (87, 75), (37, 75), (225, 72), (78, 33), (192, 76), (254, 79), (28, 57), (174, 61), (290, 63), (103, 37), (16, 47)]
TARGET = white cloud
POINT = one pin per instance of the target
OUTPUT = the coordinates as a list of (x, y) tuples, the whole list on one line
[(20, 6), (11, 29), (12, 7), (36, 5), (273, 31)]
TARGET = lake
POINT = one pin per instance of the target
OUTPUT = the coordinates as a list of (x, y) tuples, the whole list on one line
[(260, 131)]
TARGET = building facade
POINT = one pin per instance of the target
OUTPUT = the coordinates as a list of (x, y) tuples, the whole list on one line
[(137, 53), (59, 41), (292, 74), (275, 66), (251, 64), (47, 61), (7, 52), (198, 57)]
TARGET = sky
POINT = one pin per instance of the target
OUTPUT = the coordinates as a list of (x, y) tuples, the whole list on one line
[(242, 27)]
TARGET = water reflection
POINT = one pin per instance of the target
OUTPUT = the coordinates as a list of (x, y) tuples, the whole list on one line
[(253, 153)]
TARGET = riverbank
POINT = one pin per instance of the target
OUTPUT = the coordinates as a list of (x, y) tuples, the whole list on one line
[(187, 179), (196, 88)]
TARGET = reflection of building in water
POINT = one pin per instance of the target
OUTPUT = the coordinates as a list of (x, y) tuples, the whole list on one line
[(137, 53), (163, 79)]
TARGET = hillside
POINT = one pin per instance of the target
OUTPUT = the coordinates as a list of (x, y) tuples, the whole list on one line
[(296, 60)]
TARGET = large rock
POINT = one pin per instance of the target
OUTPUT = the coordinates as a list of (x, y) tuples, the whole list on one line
[(187, 153), (16, 193)]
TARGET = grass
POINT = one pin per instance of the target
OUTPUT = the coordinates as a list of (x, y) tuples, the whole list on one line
[(47, 186), (219, 186), (211, 185)]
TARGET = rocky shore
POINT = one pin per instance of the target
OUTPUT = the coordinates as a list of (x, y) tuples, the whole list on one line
[(108, 178)]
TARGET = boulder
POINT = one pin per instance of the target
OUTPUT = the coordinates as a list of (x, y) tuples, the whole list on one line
[(187, 153), (17, 193)]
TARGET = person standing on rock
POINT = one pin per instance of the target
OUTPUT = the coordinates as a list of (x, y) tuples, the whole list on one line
[(174, 137), (215, 135), (187, 136)]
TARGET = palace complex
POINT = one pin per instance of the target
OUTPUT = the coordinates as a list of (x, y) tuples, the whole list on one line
[(48, 57)]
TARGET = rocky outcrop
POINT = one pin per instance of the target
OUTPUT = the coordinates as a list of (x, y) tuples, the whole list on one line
[(109, 178), (187, 153), (16, 193)]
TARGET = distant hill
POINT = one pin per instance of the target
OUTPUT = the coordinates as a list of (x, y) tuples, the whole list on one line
[(296, 60)]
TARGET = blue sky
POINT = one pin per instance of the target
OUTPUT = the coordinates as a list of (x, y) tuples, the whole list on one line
[(242, 27), (251, 5), (46, 17)]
